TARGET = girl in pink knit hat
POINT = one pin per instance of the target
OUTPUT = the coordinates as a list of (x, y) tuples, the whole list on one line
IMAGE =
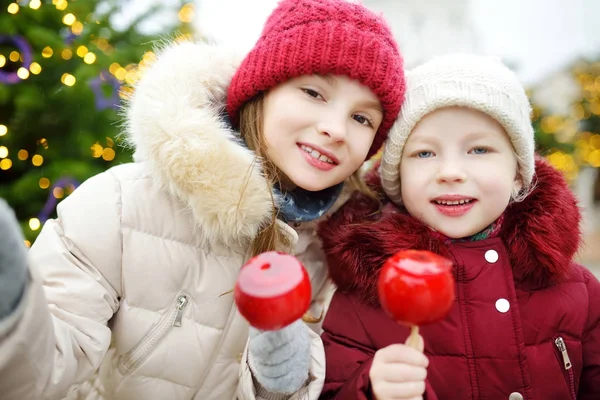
[(460, 179), (128, 292)]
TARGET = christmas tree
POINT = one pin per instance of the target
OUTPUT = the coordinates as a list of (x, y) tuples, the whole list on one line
[(64, 68)]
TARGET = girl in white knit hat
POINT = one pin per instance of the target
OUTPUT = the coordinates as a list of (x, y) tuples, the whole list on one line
[(461, 180)]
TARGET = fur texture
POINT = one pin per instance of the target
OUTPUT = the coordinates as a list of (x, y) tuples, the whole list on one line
[(174, 122), (541, 233)]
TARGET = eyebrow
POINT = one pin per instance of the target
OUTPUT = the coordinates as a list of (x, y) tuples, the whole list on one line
[(376, 105), (328, 78)]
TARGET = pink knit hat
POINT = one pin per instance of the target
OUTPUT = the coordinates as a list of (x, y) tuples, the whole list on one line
[(305, 37)]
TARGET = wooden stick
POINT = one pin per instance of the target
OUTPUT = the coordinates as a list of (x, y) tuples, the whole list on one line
[(413, 339)]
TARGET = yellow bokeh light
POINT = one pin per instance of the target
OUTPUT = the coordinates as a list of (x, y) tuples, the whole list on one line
[(68, 79), (82, 51), (58, 192), (27, 243), (43, 142), (77, 28), (5, 164), (97, 150), (89, 58), (3, 130), (131, 77), (37, 160), (102, 44), (186, 14), (44, 183), (121, 73), (23, 73), (595, 142), (35, 68), (2, 61), (3, 151), (113, 68), (69, 19), (61, 4), (13, 8), (67, 54), (35, 4), (108, 154), (594, 158), (23, 154), (47, 52), (34, 224), (14, 56)]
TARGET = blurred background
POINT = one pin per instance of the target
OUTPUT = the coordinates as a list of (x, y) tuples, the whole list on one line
[(66, 66)]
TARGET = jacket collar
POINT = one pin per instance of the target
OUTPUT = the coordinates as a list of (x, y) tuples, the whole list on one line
[(541, 233)]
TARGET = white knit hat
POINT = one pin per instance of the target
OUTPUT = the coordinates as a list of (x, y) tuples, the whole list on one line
[(478, 82)]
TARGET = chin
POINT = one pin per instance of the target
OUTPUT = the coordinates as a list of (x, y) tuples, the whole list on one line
[(454, 234), (311, 184)]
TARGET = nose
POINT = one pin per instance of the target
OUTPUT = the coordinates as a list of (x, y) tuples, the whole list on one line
[(451, 170), (333, 124)]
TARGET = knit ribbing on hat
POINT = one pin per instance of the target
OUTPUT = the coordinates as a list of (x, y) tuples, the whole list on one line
[(305, 37), (477, 82)]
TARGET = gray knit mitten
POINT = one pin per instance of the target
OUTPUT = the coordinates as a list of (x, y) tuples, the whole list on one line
[(280, 359), (13, 261)]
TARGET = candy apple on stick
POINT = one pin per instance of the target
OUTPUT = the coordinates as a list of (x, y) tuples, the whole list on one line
[(272, 290), (416, 288)]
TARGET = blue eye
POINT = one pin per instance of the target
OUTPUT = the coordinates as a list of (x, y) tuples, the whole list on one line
[(424, 154), (480, 150)]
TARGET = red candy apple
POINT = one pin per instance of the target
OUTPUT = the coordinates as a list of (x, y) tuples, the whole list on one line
[(416, 287), (272, 290)]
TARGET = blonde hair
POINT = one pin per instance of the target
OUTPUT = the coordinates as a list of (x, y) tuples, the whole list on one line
[(269, 236)]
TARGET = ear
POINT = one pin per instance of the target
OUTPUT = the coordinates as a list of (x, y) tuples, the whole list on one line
[(517, 186)]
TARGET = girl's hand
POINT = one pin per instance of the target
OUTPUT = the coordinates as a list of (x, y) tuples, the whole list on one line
[(399, 372)]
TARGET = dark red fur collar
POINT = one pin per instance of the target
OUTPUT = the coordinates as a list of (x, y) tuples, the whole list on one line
[(542, 235)]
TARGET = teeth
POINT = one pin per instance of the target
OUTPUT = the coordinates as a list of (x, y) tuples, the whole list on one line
[(452, 203), (315, 154)]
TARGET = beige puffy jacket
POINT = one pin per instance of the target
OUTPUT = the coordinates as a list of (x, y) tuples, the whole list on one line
[(134, 278)]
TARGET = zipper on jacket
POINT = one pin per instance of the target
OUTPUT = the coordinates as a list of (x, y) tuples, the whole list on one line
[(181, 303), (136, 356), (562, 347)]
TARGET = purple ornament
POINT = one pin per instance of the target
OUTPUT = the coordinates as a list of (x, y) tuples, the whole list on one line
[(103, 102), (24, 49), (52, 201)]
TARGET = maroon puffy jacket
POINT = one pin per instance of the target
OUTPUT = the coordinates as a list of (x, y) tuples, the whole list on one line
[(545, 346)]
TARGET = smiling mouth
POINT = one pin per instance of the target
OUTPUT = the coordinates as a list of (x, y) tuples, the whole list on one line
[(316, 155), (453, 202)]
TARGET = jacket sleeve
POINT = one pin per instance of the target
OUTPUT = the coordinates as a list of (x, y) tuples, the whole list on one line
[(58, 335), (348, 350), (589, 383)]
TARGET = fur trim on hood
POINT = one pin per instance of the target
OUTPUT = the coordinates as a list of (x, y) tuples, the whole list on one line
[(541, 233), (175, 123)]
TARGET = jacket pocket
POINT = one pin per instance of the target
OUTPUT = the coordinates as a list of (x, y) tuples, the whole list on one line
[(135, 357), (566, 365)]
